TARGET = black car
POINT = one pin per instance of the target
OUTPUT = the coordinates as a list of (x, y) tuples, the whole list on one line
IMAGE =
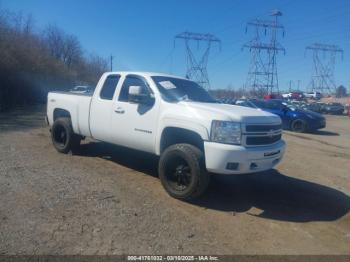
[(333, 108), (315, 107)]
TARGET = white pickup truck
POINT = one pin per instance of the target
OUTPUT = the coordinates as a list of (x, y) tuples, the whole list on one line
[(173, 118)]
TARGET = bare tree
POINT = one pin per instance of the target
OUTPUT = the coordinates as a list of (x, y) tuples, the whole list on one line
[(33, 63), (72, 51), (54, 39)]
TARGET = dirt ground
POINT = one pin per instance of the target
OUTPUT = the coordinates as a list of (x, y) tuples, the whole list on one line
[(108, 200)]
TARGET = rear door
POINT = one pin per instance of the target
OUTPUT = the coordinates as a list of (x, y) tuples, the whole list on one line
[(134, 125), (101, 109)]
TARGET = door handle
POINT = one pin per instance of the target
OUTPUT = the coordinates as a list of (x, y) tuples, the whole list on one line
[(119, 110)]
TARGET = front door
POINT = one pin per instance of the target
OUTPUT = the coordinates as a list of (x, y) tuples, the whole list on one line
[(134, 125)]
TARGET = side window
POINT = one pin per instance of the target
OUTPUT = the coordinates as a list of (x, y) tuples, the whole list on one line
[(109, 87), (131, 81)]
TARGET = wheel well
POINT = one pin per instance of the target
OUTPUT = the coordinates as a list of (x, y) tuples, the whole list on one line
[(59, 112), (175, 135)]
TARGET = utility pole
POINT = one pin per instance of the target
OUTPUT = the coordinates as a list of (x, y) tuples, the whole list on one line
[(111, 61), (322, 79), (290, 85), (197, 64), (262, 76)]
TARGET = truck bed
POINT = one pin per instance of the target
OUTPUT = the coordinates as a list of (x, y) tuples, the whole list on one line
[(78, 106)]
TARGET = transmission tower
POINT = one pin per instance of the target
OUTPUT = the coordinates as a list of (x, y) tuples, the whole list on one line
[(197, 64), (262, 75), (322, 79)]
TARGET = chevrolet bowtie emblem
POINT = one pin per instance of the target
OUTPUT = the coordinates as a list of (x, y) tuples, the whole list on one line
[(270, 133)]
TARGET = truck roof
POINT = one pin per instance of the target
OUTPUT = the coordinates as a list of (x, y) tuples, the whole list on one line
[(143, 73)]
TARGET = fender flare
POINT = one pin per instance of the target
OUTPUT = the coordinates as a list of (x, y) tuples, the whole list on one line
[(201, 130)]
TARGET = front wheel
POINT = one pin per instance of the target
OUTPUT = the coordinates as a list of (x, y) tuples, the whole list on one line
[(182, 171), (63, 137), (298, 126)]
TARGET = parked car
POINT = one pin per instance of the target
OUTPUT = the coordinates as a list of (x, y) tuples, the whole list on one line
[(315, 107), (333, 108), (313, 95), (272, 96), (82, 89), (297, 104), (294, 95), (173, 118), (286, 95), (295, 119)]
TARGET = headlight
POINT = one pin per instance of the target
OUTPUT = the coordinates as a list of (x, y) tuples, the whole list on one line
[(225, 132)]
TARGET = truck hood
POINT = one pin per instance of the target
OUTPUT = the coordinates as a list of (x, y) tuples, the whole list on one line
[(216, 111)]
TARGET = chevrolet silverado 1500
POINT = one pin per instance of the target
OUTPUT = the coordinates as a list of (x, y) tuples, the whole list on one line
[(173, 118)]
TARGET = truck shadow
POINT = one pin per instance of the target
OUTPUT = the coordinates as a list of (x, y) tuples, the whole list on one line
[(137, 160), (273, 194)]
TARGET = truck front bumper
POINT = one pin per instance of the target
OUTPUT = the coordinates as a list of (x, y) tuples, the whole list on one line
[(232, 159)]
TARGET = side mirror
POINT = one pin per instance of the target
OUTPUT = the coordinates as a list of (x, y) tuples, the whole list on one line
[(137, 96)]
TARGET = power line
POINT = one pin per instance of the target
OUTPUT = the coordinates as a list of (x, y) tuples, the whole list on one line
[(262, 76), (111, 62), (322, 79), (197, 64)]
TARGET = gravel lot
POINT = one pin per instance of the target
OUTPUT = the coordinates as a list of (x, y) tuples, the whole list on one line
[(108, 200)]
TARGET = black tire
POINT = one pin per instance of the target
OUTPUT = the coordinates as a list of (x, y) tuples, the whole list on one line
[(182, 171), (298, 126), (63, 137)]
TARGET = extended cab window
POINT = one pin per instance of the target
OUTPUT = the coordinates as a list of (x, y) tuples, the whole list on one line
[(109, 87), (132, 81)]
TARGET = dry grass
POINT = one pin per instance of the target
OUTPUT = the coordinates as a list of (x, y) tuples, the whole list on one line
[(343, 100)]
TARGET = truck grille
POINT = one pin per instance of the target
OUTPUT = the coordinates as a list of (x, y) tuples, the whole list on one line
[(262, 140), (262, 128), (260, 135)]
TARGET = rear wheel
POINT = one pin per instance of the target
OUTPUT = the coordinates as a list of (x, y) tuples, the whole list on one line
[(182, 171), (299, 126), (63, 137)]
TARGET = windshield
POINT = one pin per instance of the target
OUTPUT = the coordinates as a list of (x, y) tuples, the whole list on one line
[(175, 90)]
